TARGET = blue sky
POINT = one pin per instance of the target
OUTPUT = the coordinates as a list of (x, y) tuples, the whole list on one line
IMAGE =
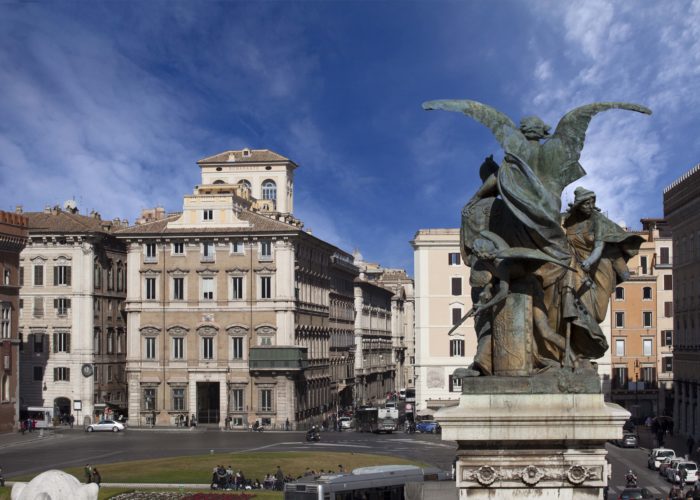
[(113, 102)]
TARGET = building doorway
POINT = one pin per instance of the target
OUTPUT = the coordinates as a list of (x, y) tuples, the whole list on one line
[(208, 402), (62, 409)]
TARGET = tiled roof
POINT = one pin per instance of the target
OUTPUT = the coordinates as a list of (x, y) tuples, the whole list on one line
[(258, 223), (256, 155), (65, 222)]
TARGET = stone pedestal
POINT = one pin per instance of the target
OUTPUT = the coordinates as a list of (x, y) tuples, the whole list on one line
[(520, 437)]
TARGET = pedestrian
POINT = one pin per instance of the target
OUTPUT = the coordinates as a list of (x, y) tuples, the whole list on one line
[(279, 479), (88, 473), (153, 419), (96, 477), (341, 469), (71, 420), (682, 476), (691, 445), (286, 425)]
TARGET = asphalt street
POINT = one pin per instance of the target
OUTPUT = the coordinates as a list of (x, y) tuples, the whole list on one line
[(75, 448)]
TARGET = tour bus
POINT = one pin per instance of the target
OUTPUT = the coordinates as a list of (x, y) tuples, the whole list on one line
[(370, 419), (42, 415), (383, 481)]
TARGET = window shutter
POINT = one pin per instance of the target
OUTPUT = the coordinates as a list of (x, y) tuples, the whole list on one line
[(451, 382), (55, 275), (452, 348), (21, 276), (55, 374), (67, 342), (55, 303), (68, 268), (67, 303), (55, 342)]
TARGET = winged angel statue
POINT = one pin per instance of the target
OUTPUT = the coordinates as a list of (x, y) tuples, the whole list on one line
[(540, 279)]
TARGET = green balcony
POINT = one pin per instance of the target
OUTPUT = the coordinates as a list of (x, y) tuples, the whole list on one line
[(278, 358)]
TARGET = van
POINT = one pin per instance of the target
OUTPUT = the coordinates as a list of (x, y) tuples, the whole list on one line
[(658, 455)]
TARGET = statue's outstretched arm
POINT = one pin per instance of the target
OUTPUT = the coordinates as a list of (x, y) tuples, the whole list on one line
[(502, 127), (571, 129)]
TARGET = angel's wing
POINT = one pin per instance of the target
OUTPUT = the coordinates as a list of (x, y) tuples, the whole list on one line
[(506, 132), (571, 129)]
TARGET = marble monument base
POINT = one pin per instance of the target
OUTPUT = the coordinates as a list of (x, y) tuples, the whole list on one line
[(530, 444)]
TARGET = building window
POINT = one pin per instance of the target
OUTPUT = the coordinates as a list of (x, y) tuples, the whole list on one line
[(150, 289), (619, 377), (265, 399), (149, 399), (38, 311), (61, 374), (178, 348), (207, 288), (38, 275), (265, 287), (207, 214), (648, 374), (456, 347), (110, 277), (647, 317), (6, 320), (21, 276), (456, 286), (207, 348), (237, 287), (667, 364), (109, 373), (646, 293), (456, 315), (61, 342), (237, 247), (647, 347), (6, 276), (269, 190), (110, 341), (668, 282), (619, 319), (619, 347), (150, 348), (667, 338), (664, 256), (237, 347), (38, 342), (151, 252), (178, 288), (454, 259), (38, 373), (96, 341), (120, 278), (62, 306), (265, 250), (97, 275), (455, 384), (619, 293), (265, 340), (668, 309), (61, 275), (178, 398), (208, 251), (236, 399), (178, 248), (643, 264)]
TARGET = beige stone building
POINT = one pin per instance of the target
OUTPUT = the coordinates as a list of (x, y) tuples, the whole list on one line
[(72, 326), (235, 313), (442, 297), (13, 238), (682, 212)]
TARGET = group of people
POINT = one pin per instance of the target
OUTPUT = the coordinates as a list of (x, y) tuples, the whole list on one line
[(92, 475), (225, 478), (183, 420), (678, 491)]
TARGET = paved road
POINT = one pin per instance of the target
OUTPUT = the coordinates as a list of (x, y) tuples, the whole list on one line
[(76, 448)]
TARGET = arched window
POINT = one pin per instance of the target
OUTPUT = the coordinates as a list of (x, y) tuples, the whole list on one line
[(219, 181), (269, 190), (245, 183)]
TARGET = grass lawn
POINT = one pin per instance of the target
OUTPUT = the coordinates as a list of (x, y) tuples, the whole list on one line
[(198, 469)]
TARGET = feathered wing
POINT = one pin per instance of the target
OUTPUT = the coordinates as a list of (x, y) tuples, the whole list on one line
[(506, 132), (571, 129)]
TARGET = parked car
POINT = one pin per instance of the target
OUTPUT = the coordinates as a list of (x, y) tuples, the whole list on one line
[(635, 494), (665, 464), (657, 456), (428, 426), (628, 440), (691, 469), (345, 423), (106, 425)]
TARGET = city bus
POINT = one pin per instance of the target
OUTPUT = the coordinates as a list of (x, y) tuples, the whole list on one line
[(372, 419), (385, 482)]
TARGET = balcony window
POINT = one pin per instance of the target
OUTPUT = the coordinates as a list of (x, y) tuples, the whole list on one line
[(269, 190)]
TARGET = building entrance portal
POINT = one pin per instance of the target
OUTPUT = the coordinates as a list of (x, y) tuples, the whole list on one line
[(208, 402), (62, 407)]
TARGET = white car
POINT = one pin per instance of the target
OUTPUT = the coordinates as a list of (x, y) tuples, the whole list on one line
[(345, 423), (106, 425), (691, 469), (658, 455)]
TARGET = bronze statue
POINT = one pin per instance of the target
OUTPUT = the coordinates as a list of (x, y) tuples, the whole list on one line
[(540, 282)]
